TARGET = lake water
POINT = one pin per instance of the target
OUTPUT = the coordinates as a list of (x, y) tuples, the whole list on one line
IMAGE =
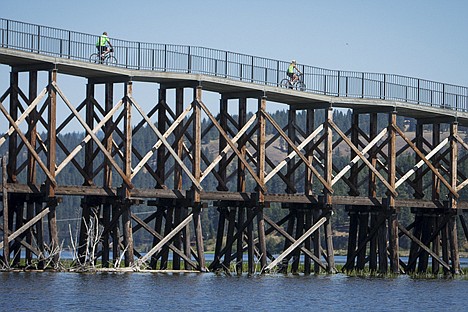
[(48, 291)]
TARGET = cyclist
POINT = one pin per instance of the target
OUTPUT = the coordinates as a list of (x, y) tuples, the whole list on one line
[(293, 77), (101, 45)]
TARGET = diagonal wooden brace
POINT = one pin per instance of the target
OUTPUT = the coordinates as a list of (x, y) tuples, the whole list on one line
[(364, 159), (232, 145), (165, 240), (166, 144), (94, 137), (299, 241), (426, 161), (298, 152), (28, 145)]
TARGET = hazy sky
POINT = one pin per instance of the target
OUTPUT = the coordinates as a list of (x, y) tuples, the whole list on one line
[(419, 38)]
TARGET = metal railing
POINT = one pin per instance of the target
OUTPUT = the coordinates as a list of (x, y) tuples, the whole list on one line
[(198, 60)]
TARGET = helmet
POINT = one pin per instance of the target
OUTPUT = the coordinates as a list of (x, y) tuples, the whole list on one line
[(293, 61)]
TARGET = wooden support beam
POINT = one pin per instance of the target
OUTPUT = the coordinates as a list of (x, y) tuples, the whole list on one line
[(426, 161), (6, 212), (296, 243), (423, 246), (94, 137), (363, 158), (176, 250), (89, 118), (453, 200), (26, 114), (293, 153), (30, 148), (223, 133), (24, 228), (13, 139), (164, 241), (378, 226), (421, 162), (353, 161), (227, 148), (291, 239), (390, 202), (298, 152)]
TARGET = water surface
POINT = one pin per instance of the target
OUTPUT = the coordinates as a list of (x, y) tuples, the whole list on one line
[(32, 291)]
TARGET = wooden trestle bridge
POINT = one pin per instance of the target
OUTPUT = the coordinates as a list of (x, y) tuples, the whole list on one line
[(36, 112)]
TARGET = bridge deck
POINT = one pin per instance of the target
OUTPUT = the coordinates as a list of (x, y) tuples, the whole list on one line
[(24, 61)]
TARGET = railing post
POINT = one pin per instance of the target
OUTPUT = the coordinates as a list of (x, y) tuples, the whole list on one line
[(126, 57), (38, 39), (226, 65), (189, 61), (466, 100), (252, 70), (69, 44), (362, 85), (418, 93), (384, 86), (324, 84), (443, 95), (338, 83), (165, 57), (7, 32), (346, 86), (277, 73), (139, 55)]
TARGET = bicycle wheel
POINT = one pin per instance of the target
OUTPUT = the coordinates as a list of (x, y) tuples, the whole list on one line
[(285, 83), (300, 86), (94, 58), (111, 60)]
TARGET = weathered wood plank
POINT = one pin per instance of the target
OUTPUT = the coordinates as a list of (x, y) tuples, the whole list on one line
[(163, 241), (94, 137), (25, 227), (296, 243), (424, 247)]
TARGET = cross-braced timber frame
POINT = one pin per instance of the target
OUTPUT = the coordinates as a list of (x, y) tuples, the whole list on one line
[(218, 155), (243, 170)]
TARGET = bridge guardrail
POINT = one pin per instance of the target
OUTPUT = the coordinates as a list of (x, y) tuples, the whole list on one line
[(199, 60)]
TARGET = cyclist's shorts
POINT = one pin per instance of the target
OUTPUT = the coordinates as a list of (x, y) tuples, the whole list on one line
[(290, 74), (101, 49)]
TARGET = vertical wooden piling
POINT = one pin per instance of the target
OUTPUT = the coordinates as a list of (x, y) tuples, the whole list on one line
[(196, 209), (125, 204), (241, 183), (6, 246), (107, 177), (454, 253), (392, 217), (327, 196), (51, 163), (261, 140), (31, 170)]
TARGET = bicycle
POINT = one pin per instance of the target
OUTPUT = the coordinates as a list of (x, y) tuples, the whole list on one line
[(298, 84), (108, 58)]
